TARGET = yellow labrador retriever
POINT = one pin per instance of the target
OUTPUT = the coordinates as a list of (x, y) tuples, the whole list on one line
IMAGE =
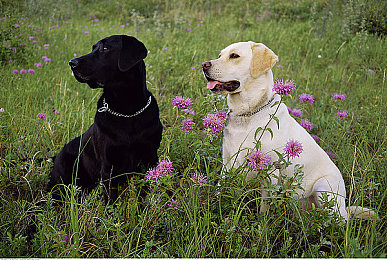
[(243, 72)]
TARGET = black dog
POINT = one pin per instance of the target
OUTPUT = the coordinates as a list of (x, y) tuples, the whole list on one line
[(126, 132)]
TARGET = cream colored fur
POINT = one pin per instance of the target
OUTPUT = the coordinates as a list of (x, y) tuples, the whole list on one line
[(253, 70)]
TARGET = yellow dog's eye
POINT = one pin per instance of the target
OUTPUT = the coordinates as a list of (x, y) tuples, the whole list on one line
[(234, 56)]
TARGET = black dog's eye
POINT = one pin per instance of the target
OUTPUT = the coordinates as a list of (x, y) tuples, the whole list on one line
[(105, 49), (234, 56)]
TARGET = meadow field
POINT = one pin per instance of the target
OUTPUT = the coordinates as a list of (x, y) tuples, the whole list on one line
[(326, 47)]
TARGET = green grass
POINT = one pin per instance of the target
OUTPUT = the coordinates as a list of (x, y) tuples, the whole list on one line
[(205, 224)]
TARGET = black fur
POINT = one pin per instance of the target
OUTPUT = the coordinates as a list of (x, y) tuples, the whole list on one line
[(113, 145)]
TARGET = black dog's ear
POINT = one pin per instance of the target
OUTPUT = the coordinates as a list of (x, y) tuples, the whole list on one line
[(132, 51)]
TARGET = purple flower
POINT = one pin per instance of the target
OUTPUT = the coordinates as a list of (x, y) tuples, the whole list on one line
[(332, 155), (2, 110), (16, 25), (66, 240), (41, 115), (182, 102), (162, 169), (306, 124), (316, 138), (199, 178), (47, 60), (214, 123), (189, 111), (173, 204), (2, 136), (10, 61), (293, 148), (189, 30), (31, 37), (56, 111), (193, 68), (31, 71), (342, 114), (221, 114), (258, 160), (284, 88), (338, 97), (39, 65), (268, 13), (22, 71), (295, 112), (307, 98), (187, 124), (15, 72)]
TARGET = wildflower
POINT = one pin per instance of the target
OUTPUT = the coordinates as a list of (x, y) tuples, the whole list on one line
[(338, 97), (173, 204), (307, 98), (258, 160), (2, 136), (189, 111), (31, 37), (10, 61), (162, 169), (316, 138), (31, 71), (22, 71), (47, 60), (2, 110), (15, 72), (332, 155), (214, 123), (187, 124), (189, 30), (268, 13), (319, 56), (193, 68), (306, 124), (293, 148), (199, 178), (56, 111), (342, 114), (66, 240), (221, 114), (298, 17), (295, 112), (34, 41), (182, 102), (39, 65), (41, 115), (284, 88)]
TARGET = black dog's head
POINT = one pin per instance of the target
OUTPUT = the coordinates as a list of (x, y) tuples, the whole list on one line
[(109, 59)]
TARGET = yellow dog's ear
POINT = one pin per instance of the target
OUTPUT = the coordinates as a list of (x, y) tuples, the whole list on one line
[(263, 59)]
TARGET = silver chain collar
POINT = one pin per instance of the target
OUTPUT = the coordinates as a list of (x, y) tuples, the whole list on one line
[(258, 110), (106, 108)]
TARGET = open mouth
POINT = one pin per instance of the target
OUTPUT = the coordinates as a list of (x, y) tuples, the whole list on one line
[(216, 86)]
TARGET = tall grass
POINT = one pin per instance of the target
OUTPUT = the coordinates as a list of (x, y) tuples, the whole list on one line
[(208, 220)]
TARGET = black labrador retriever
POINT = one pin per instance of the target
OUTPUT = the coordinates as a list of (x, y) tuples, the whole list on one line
[(126, 132)]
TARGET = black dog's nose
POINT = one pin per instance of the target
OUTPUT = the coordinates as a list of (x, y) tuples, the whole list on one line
[(73, 63), (206, 65)]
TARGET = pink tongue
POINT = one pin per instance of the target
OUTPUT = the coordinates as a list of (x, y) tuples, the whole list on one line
[(211, 84)]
